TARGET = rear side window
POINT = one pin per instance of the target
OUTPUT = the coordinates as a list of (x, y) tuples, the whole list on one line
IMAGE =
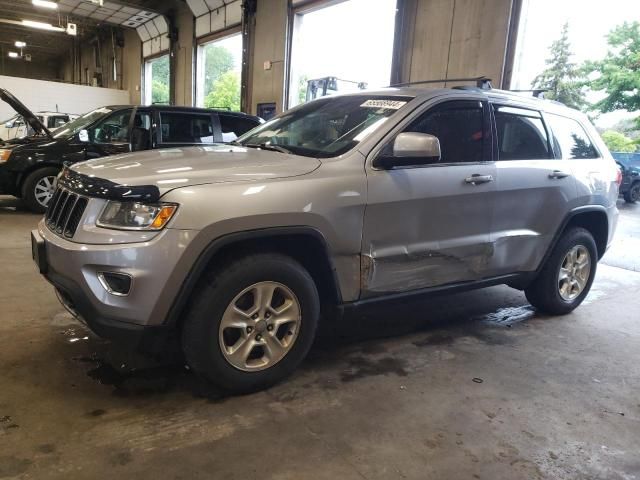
[(459, 128), (184, 127), (570, 139), (521, 134), (234, 126)]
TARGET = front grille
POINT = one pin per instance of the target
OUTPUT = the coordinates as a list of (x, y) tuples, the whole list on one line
[(65, 211)]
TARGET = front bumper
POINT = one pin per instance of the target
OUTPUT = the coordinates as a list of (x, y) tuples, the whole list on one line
[(137, 319)]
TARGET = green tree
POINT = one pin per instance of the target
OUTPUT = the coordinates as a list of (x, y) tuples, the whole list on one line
[(218, 60), (561, 77), (618, 142), (225, 92), (159, 92), (160, 80), (618, 74), (302, 88)]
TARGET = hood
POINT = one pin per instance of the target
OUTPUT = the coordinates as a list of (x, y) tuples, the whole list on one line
[(172, 168), (27, 114)]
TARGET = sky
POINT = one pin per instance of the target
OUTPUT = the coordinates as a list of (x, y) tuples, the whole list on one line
[(331, 42), (589, 23)]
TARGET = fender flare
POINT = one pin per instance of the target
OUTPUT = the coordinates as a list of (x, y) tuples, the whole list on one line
[(198, 268)]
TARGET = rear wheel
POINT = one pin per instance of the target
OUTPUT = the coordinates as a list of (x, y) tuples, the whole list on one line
[(633, 194), (566, 278), (252, 322), (39, 187)]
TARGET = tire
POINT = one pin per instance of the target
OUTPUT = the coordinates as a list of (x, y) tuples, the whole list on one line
[(633, 194), (206, 343), (545, 293), (32, 189)]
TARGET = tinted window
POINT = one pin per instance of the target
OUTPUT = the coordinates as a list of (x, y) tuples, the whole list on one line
[(235, 126), (458, 126), (521, 134), (570, 139), (184, 127), (113, 129), (141, 132)]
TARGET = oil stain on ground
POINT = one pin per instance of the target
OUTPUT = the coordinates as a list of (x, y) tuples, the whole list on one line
[(361, 367)]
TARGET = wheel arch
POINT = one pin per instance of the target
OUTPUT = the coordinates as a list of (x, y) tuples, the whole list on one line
[(592, 218), (23, 175), (305, 244)]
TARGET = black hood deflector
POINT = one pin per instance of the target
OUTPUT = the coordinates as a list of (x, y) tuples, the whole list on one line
[(102, 188)]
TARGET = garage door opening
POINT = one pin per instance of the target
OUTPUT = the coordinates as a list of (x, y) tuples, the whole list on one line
[(330, 53), (219, 64), (156, 81)]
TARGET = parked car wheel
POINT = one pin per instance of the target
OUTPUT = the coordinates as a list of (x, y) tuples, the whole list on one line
[(38, 188), (633, 194), (251, 323), (566, 278)]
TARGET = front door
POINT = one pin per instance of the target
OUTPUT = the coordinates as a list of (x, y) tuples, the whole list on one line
[(429, 225), (111, 136)]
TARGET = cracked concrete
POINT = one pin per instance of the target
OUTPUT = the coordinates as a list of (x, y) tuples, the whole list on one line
[(388, 394)]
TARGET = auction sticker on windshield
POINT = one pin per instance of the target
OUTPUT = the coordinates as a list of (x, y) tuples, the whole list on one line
[(391, 104)]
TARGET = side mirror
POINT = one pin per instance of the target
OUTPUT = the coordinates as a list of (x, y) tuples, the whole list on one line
[(83, 136), (411, 149)]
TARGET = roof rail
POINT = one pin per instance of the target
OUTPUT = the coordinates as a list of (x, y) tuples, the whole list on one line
[(536, 92), (481, 82)]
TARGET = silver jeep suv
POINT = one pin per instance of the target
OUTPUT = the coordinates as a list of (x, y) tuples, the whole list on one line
[(238, 250)]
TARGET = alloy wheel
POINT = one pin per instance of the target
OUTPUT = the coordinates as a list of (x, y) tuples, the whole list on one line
[(574, 273), (44, 189), (260, 326)]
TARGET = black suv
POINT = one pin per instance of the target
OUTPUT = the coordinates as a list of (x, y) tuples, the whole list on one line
[(629, 164), (29, 166)]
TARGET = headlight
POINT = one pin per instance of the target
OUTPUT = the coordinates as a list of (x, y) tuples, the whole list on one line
[(136, 215), (4, 154)]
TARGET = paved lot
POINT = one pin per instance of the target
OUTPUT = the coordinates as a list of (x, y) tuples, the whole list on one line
[(476, 385)]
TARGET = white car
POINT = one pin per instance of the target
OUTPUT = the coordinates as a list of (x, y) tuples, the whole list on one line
[(16, 127)]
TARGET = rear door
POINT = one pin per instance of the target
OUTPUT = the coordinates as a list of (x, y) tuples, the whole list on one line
[(430, 225), (534, 190)]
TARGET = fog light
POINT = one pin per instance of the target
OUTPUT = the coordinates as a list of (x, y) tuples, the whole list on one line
[(118, 284)]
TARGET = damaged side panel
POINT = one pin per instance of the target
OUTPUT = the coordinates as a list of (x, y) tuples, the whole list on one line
[(411, 269)]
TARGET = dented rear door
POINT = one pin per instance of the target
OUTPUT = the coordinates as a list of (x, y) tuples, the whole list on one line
[(429, 226)]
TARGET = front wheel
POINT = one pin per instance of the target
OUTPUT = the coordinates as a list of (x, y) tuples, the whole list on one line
[(633, 194), (39, 187), (252, 322), (566, 278)]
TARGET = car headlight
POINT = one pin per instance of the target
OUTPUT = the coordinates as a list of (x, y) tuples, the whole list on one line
[(136, 215), (4, 154)]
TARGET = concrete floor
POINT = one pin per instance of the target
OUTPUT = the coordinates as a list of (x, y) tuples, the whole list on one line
[(470, 386)]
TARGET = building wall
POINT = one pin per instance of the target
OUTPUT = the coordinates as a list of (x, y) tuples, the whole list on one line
[(184, 53), (46, 70), (269, 43), (454, 39)]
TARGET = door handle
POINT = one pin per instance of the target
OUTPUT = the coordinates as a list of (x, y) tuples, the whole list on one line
[(558, 174), (477, 179)]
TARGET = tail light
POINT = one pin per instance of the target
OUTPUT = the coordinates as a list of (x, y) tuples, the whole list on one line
[(619, 177)]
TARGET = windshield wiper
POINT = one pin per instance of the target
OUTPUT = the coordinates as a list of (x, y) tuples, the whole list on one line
[(267, 146)]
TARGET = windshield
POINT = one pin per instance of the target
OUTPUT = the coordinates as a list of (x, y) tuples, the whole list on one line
[(82, 122), (327, 127)]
